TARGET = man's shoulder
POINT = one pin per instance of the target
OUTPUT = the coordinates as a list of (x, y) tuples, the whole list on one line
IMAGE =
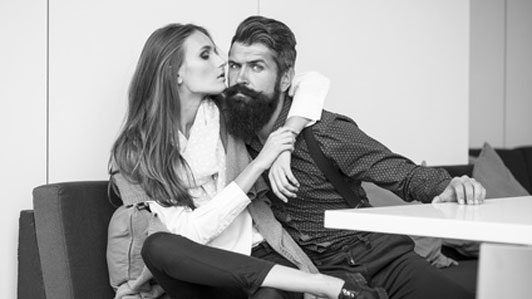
[(331, 119)]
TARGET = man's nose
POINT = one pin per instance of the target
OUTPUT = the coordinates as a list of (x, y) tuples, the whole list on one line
[(242, 77)]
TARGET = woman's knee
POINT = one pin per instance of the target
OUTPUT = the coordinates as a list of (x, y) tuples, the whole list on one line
[(156, 246)]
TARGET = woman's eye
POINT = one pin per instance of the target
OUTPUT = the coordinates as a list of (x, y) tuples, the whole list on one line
[(204, 55)]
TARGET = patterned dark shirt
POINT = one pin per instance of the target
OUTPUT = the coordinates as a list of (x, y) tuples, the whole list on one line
[(360, 158)]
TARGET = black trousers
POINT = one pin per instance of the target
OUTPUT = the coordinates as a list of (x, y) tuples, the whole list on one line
[(389, 261), (186, 269)]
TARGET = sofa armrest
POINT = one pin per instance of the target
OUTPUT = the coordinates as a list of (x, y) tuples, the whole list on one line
[(29, 278), (71, 224)]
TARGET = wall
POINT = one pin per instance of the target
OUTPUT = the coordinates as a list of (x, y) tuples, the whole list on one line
[(501, 73), (399, 68), (94, 47), (518, 82), (22, 121)]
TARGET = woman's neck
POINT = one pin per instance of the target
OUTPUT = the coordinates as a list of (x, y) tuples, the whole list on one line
[(189, 108)]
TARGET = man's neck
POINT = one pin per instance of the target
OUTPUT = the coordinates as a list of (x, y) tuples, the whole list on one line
[(265, 131)]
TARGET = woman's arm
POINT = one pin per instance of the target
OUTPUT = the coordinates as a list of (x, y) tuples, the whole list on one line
[(207, 221), (309, 91), (211, 218)]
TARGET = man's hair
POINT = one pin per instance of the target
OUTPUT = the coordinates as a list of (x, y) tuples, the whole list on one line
[(273, 34)]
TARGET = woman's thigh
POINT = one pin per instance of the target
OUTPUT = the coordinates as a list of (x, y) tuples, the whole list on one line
[(177, 261)]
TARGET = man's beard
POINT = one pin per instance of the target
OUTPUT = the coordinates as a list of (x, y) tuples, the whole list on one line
[(248, 110)]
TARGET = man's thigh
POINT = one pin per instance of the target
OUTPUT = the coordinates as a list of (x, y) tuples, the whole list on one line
[(367, 254), (411, 276)]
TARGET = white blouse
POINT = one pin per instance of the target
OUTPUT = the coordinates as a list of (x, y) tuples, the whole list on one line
[(220, 218)]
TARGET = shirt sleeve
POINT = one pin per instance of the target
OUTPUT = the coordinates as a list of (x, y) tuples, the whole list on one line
[(309, 96), (207, 221), (362, 158)]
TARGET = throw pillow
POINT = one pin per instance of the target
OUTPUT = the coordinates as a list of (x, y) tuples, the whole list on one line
[(491, 172), (427, 247)]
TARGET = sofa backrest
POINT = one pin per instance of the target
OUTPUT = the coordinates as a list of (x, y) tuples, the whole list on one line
[(71, 222)]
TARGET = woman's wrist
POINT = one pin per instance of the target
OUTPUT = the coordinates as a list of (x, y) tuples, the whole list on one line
[(257, 167)]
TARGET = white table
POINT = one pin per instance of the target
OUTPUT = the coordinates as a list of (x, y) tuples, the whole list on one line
[(504, 223), (503, 220)]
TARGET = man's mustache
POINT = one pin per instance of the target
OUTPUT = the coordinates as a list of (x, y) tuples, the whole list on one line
[(241, 89)]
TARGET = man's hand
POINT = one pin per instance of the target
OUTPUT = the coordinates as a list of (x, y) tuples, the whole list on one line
[(464, 190), (283, 182)]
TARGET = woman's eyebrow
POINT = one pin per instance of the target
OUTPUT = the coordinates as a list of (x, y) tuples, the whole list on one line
[(206, 47)]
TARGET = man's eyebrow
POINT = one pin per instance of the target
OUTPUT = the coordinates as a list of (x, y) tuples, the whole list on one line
[(256, 61)]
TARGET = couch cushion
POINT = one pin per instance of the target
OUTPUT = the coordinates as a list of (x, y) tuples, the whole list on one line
[(71, 221), (517, 160), (490, 170)]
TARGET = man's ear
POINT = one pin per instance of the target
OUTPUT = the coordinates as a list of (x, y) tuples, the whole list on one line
[(286, 79)]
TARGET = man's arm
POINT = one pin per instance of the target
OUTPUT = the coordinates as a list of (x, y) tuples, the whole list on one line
[(363, 158)]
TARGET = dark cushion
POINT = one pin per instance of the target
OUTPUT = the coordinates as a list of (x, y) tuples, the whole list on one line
[(29, 283), (71, 221)]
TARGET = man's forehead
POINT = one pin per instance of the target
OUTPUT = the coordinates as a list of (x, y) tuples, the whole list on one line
[(241, 52)]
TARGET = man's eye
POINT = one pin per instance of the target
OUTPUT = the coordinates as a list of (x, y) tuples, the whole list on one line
[(257, 68), (233, 65)]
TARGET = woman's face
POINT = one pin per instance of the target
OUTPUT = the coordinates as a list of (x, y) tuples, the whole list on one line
[(203, 69)]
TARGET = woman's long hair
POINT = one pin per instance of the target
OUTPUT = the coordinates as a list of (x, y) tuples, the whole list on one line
[(147, 150)]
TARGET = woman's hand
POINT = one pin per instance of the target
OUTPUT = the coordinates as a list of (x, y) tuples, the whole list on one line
[(279, 141), (283, 182)]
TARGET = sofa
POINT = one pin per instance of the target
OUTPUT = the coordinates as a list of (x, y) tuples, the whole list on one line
[(62, 241)]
